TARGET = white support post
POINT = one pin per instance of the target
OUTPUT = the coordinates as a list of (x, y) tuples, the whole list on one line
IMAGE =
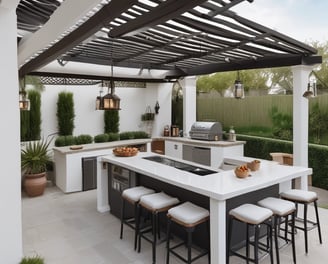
[(300, 118), (10, 189), (189, 103)]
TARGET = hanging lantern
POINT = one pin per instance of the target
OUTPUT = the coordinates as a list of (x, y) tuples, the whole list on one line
[(111, 101), (238, 89)]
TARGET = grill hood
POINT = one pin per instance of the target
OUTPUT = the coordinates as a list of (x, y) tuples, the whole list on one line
[(206, 131)]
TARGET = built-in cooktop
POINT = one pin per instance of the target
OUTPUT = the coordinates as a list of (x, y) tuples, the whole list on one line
[(180, 165)]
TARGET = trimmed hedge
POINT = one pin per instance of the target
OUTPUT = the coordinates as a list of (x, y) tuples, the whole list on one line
[(83, 139), (133, 135), (101, 138), (259, 147)]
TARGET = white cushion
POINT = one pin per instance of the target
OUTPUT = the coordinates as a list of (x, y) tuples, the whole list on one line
[(158, 201), (188, 213), (251, 214), (135, 193), (277, 206), (299, 195)]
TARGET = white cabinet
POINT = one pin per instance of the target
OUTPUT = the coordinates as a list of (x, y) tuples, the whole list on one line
[(173, 149)]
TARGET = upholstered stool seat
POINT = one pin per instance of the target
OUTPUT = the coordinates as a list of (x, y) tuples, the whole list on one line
[(187, 215), (305, 198), (154, 203), (281, 208), (253, 216), (132, 195)]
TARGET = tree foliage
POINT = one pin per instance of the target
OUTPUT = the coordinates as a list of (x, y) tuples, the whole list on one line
[(111, 120), (35, 114)]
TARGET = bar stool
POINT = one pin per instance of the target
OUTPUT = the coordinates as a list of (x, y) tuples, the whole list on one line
[(155, 204), (132, 195), (187, 215), (253, 216), (281, 208), (305, 198)]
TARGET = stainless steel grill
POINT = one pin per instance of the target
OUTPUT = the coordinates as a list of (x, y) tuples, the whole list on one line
[(206, 131)]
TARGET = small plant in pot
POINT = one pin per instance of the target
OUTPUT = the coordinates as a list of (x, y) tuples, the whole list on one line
[(34, 160)]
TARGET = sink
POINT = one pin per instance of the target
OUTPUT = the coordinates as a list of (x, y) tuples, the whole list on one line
[(180, 165)]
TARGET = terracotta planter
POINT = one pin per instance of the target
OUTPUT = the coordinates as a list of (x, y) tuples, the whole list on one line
[(35, 184)]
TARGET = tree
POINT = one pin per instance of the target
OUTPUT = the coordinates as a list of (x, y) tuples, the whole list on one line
[(35, 114), (65, 113), (111, 119)]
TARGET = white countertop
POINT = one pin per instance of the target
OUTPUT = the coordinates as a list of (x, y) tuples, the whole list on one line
[(188, 140), (219, 186)]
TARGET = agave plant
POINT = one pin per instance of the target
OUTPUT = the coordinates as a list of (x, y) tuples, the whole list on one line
[(35, 157)]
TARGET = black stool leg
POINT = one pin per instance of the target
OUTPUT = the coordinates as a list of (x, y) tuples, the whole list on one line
[(275, 223), (318, 222), (122, 217), (136, 225), (256, 244), (293, 237), (305, 228), (189, 243), (247, 243), (138, 222), (209, 246), (154, 220), (168, 233), (271, 243), (229, 239)]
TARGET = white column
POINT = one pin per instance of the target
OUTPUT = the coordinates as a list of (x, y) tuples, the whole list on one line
[(300, 118), (10, 187), (189, 103)]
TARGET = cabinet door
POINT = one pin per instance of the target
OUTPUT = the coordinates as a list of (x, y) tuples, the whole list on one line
[(173, 149)]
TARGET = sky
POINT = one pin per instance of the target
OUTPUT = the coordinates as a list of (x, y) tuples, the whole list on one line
[(304, 20)]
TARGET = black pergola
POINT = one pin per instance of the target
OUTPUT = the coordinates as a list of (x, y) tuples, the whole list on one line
[(183, 37)]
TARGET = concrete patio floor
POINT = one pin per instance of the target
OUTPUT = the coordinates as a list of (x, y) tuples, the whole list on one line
[(67, 229)]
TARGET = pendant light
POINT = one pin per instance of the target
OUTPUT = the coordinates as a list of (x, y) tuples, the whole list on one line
[(99, 100), (111, 101), (311, 88), (238, 88)]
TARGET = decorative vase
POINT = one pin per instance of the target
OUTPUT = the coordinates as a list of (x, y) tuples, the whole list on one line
[(35, 184)]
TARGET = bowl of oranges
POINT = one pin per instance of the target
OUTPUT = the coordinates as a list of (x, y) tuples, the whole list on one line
[(125, 151), (242, 171)]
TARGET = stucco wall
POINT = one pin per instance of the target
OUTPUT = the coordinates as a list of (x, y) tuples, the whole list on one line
[(89, 121)]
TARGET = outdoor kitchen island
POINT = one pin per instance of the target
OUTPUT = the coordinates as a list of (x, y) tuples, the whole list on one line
[(220, 187)]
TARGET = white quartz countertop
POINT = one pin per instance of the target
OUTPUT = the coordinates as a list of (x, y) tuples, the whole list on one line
[(221, 185), (104, 145)]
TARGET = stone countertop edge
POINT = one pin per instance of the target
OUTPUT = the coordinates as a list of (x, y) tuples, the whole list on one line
[(103, 145), (188, 140)]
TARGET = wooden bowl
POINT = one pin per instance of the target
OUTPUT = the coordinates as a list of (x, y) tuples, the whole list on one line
[(125, 151), (254, 165), (244, 173)]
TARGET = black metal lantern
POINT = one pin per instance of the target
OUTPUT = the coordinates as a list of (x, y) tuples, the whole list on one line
[(111, 101), (238, 89)]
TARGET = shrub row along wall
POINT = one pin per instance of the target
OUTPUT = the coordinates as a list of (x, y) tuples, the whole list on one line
[(261, 148)]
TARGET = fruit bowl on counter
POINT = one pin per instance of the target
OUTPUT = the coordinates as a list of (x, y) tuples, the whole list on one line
[(125, 151), (254, 165), (242, 171)]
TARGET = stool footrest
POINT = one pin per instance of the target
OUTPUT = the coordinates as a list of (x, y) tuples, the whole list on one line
[(201, 254)]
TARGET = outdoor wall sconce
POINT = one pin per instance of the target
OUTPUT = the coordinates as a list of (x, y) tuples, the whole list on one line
[(157, 108), (99, 105), (238, 88)]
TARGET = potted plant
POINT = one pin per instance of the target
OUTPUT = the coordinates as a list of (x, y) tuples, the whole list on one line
[(34, 161), (32, 260)]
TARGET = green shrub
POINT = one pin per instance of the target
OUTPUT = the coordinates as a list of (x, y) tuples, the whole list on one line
[(113, 136), (126, 135), (111, 120), (35, 114), (83, 139), (62, 141), (101, 138), (140, 134), (65, 113), (32, 260)]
